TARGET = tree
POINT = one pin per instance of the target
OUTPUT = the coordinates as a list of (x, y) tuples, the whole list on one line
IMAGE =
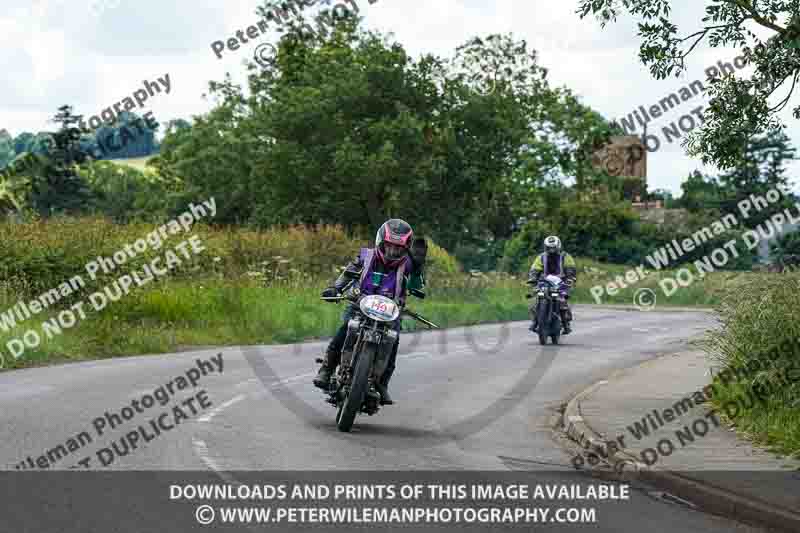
[(786, 249), (662, 194), (24, 142), (50, 184), (761, 170), (700, 193), (7, 152), (130, 136), (176, 125), (739, 109)]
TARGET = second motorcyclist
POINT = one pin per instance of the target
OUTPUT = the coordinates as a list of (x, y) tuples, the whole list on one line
[(554, 262)]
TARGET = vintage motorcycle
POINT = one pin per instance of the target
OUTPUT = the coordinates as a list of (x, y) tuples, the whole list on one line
[(548, 308), (365, 354)]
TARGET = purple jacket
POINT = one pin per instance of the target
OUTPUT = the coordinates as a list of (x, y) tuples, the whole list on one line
[(391, 284)]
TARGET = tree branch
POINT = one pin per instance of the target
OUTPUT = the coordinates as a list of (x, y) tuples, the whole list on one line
[(746, 6), (783, 102)]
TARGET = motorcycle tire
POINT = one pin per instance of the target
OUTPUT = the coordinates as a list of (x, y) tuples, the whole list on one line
[(542, 312), (358, 389)]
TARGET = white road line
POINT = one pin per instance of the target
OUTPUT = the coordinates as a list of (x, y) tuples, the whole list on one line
[(247, 382), (292, 379), (201, 450), (217, 410)]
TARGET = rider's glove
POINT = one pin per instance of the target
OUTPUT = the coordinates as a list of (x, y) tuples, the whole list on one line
[(330, 292)]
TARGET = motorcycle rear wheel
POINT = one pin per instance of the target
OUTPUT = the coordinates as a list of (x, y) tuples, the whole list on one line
[(358, 390)]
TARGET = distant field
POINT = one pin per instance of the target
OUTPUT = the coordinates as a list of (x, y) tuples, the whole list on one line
[(136, 162)]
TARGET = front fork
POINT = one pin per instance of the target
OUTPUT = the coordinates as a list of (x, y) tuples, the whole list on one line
[(357, 337)]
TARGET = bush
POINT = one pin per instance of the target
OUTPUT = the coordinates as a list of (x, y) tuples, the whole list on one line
[(612, 232), (124, 193), (760, 330), (521, 250), (39, 255), (786, 247)]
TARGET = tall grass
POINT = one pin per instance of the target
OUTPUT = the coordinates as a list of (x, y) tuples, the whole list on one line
[(247, 287), (760, 331)]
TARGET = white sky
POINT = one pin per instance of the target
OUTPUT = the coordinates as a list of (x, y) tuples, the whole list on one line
[(97, 52)]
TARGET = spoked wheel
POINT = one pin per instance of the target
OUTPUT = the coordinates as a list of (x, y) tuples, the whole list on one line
[(358, 389), (339, 413)]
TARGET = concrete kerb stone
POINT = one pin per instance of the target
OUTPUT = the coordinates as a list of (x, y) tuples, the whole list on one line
[(710, 498)]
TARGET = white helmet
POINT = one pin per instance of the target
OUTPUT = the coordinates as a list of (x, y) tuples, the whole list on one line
[(552, 245)]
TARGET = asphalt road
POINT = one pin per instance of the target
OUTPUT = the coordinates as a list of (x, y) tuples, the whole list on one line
[(479, 398)]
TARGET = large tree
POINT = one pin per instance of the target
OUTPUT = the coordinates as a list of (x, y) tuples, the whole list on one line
[(49, 183), (739, 108), (347, 128), (762, 169)]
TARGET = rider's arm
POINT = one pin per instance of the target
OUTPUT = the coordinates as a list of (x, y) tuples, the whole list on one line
[(353, 268), (570, 270), (536, 269), (418, 254), (416, 281)]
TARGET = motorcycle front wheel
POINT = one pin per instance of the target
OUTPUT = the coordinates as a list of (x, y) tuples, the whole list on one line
[(542, 311), (555, 327), (358, 389)]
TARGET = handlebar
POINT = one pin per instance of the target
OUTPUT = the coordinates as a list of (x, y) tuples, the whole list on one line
[(405, 311)]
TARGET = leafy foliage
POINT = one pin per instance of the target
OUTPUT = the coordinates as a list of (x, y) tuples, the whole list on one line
[(739, 109), (50, 184), (787, 248)]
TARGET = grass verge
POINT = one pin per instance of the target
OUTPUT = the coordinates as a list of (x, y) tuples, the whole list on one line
[(760, 331)]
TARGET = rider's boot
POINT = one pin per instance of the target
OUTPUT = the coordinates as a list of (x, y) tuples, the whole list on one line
[(382, 386), (329, 364), (566, 319), (534, 327)]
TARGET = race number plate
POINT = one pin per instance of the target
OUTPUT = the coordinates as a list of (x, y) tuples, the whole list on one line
[(380, 308)]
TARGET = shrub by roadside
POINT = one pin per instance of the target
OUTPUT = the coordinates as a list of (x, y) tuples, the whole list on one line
[(760, 328), (248, 287)]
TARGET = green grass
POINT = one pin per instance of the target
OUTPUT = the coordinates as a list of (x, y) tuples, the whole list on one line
[(704, 292), (139, 163), (182, 314), (214, 311), (760, 329), (775, 425)]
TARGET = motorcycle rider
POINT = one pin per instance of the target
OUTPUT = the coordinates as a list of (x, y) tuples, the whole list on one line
[(554, 261), (393, 267)]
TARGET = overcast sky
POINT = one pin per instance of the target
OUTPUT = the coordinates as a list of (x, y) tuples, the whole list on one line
[(97, 52)]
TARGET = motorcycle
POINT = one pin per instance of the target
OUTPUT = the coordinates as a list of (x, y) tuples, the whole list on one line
[(365, 355), (548, 308)]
